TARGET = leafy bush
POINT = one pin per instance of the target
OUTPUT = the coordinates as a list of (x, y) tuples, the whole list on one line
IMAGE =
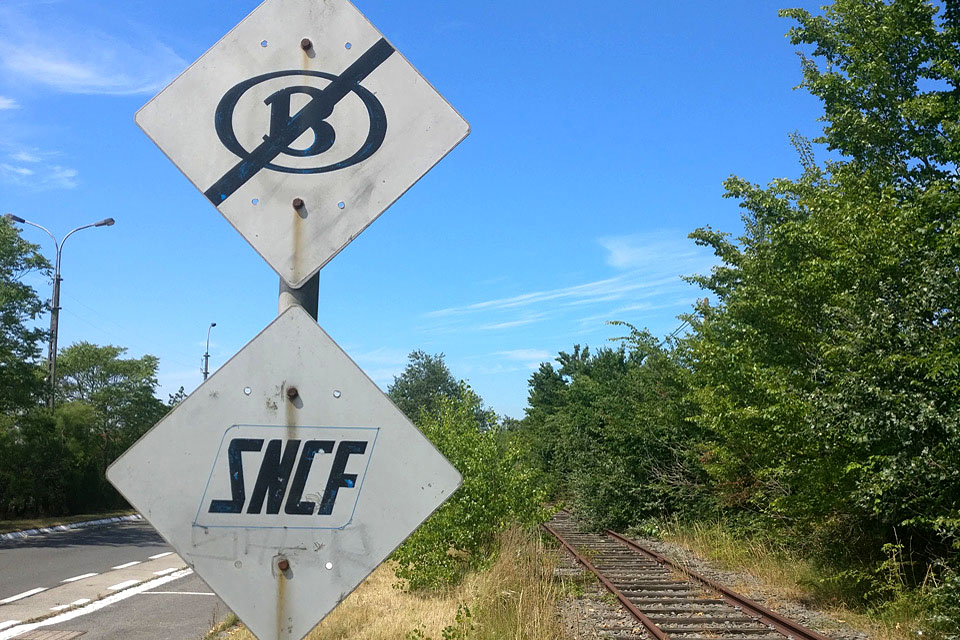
[(612, 427), (945, 605), (498, 490)]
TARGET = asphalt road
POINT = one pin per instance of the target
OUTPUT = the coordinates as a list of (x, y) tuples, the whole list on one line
[(180, 609), (46, 560)]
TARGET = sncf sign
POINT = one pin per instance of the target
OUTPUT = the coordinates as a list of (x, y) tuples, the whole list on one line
[(287, 477)]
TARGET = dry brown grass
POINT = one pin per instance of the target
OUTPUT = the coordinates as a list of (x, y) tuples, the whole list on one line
[(792, 578), (772, 567), (515, 599)]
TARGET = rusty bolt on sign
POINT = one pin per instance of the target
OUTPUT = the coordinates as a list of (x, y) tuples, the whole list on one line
[(298, 203), (305, 44), (283, 564), (292, 392)]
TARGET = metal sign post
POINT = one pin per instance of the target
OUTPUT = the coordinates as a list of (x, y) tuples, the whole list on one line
[(279, 480)]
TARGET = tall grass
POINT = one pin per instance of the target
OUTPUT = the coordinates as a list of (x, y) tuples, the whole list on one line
[(783, 572), (515, 598)]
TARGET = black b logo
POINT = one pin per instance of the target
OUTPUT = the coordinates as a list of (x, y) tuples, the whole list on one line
[(285, 127)]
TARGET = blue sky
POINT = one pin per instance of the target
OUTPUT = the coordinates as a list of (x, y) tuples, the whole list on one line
[(601, 134)]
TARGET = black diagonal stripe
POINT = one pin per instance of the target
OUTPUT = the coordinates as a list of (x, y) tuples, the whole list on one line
[(318, 108)]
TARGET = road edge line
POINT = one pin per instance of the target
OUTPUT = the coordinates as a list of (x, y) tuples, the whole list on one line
[(16, 535), (13, 632)]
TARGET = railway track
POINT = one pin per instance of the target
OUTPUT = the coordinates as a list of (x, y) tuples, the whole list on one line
[(667, 599)]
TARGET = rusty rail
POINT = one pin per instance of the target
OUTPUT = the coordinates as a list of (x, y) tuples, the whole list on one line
[(667, 605), (785, 626), (647, 623)]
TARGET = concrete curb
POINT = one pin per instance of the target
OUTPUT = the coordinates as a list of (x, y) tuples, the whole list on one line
[(14, 535)]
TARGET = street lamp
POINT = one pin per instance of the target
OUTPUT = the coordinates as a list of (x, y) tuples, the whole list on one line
[(206, 356), (55, 302)]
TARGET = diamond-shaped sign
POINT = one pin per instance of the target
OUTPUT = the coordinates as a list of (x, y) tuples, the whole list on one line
[(302, 125), (285, 478)]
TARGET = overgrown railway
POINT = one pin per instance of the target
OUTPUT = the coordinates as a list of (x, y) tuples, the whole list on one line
[(667, 599)]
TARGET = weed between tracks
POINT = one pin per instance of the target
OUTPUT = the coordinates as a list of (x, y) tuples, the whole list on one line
[(514, 599)]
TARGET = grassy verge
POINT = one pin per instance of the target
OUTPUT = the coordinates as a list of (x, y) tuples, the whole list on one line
[(7, 526), (221, 627), (801, 580), (514, 599)]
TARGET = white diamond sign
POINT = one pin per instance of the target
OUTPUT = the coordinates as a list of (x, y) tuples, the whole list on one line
[(302, 125), (285, 478)]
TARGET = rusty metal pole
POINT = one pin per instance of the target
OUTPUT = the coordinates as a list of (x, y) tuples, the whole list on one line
[(307, 296)]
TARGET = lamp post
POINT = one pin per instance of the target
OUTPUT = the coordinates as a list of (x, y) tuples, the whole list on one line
[(206, 355), (55, 302)]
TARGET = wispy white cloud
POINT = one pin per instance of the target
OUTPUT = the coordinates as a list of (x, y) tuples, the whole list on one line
[(382, 356), (39, 178), (26, 156), (650, 250), (598, 290), (15, 171), (525, 354), (82, 58), (644, 308), (8, 103), (609, 289), (510, 324), (650, 267), (382, 365), (383, 376), (529, 359), (492, 368), (36, 169)]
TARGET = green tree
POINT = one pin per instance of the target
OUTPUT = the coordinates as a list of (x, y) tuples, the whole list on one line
[(541, 435), (425, 383), (421, 386), (888, 73), (498, 491), (21, 379), (611, 427), (827, 369), (122, 390), (107, 402)]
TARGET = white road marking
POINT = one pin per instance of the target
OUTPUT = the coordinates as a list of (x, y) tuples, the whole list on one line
[(75, 578), (75, 603), (163, 572), (129, 564), (123, 585), (8, 623), (13, 632), (161, 555), (179, 593), (25, 594)]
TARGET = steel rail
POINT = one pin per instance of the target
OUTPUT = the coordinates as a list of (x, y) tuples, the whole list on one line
[(748, 608), (648, 624), (771, 618)]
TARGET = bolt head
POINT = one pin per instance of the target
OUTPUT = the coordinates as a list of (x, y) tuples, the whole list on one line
[(283, 564), (298, 203), (305, 44), (292, 392)]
